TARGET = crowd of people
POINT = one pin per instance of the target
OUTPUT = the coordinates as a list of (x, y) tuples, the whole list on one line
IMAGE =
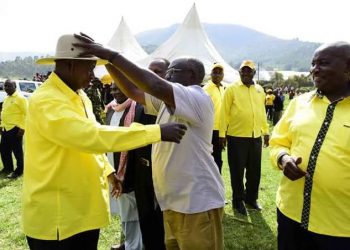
[(81, 166)]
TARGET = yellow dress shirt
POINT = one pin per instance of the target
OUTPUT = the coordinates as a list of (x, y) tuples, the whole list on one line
[(14, 110), (243, 111), (65, 188), (295, 134), (216, 94)]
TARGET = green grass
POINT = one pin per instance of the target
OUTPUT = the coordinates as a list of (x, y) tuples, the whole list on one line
[(257, 231)]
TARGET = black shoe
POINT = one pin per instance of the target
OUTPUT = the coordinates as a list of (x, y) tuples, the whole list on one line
[(240, 207), (5, 172), (13, 175), (254, 204)]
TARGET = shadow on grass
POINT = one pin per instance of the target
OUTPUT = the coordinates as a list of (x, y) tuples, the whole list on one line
[(4, 181), (248, 232)]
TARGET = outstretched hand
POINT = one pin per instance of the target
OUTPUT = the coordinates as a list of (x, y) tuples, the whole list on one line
[(172, 131), (90, 47), (290, 167)]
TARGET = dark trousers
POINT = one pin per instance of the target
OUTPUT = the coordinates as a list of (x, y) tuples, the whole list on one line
[(276, 116), (291, 236), (217, 149), (269, 112), (150, 215), (10, 142), (85, 240), (244, 154)]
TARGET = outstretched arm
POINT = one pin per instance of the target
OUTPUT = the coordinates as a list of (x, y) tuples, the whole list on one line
[(144, 79), (124, 84)]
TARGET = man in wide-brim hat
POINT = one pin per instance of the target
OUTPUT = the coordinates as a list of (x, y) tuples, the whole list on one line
[(65, 189)]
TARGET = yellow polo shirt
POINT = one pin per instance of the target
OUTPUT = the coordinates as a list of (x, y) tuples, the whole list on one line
[(269, 99), (243, 111), (14, 110), (216, 94), (65, 189), (295, 134)]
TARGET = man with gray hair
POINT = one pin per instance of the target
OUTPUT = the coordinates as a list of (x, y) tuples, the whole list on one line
[(65, 197), (187, 182)]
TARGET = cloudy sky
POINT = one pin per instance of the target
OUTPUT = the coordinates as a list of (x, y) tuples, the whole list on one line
[(35, 25)]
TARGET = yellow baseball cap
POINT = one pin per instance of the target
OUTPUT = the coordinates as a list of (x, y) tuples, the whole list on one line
[(217, 65), (247, 63)]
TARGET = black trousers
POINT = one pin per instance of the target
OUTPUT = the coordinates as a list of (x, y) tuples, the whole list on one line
[(87, 240), (244, 154), (150, 215), (269, 112), (217, 149), (276, 116), (291, 236), (10, 142)]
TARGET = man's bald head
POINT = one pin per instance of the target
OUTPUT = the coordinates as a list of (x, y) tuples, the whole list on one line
[(330, 69), (159, 66), (187, 71), (9, 86), (340, 49)]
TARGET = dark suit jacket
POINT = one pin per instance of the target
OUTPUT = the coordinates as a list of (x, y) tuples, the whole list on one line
[(135, 169)]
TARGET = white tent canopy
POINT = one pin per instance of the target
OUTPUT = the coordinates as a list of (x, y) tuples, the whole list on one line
[(191, 40), (124, 42)]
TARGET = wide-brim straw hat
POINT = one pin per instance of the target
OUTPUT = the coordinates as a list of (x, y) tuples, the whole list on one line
[(66, 50)]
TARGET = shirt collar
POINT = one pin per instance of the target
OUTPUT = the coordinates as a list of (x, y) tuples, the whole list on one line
[(64, 87), (318, 94), (241, 83), (211, 83), (14, 94)]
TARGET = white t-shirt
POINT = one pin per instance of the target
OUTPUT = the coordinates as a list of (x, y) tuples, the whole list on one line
[(185, 176)]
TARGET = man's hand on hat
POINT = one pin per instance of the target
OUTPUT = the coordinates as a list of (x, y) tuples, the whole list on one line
[(90, 47)]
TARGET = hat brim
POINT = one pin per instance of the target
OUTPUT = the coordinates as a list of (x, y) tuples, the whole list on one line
[(251, 67), (217, 67), (51, 60)]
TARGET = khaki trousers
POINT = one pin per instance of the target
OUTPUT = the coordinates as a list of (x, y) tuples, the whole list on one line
[(200, 231)]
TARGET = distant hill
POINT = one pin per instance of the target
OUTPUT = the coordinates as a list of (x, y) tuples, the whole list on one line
[(10, 56), (236, 43)]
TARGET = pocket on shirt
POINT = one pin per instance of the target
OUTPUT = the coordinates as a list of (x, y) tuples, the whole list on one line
[(344, 135)]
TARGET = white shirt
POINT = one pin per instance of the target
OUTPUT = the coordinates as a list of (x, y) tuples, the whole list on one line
[(185, 176)]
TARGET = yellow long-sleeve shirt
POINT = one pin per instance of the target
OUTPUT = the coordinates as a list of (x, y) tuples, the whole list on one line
[(14, 110), (295, 134), (65, 189), (243, 111), (216, 94), (269, 99)]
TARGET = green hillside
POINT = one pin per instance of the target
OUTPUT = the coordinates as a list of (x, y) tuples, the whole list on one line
[(236, 43)]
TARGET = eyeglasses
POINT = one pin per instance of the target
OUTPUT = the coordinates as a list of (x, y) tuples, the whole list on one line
[(172, 71)]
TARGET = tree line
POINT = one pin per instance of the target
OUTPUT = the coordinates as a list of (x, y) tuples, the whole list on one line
[(22, 68), (25, 68)]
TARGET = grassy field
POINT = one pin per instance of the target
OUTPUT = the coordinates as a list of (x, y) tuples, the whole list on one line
[(257, 231)]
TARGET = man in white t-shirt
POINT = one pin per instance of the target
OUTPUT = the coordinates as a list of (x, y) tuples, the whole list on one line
[(188, 185)]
